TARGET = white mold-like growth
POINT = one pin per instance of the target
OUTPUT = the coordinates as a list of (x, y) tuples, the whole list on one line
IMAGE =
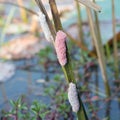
[(73, 97), (45, 27)]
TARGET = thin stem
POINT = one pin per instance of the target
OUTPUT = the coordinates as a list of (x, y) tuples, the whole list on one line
[(100, 53), (115, 40), (16, 115), (91, 5), (41, 6), (99, 34), (97, 25), (67, 69), (108, 50), (55, 14), (80, 30), (79, 44)]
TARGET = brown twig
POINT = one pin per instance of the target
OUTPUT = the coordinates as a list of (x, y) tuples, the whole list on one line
[(115, 41), (79, 44), (100, 53), (79, 21), (55, 14), (52, 29), (90, 4)]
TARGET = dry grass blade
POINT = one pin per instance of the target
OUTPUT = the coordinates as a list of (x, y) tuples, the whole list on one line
[(81, 45), (79, 22), (100, 53), (55, 14), (90, 4), (115, 40)]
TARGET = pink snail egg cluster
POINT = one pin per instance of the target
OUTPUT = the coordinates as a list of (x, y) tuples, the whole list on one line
[(60, 47)]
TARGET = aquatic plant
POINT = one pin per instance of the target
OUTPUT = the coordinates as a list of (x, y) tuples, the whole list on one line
[(99, 50), (67, 68), (21, 111), (116, 68)]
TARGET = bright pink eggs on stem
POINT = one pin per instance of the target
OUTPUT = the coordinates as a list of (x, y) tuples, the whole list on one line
[(60, 47)]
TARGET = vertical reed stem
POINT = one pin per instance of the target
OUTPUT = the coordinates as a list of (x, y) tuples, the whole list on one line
[(80, 31), (100, 53), (55, 14), (97, 26), (41, 6), (67, 69), (107, 47), (99, 34), (115, 41)]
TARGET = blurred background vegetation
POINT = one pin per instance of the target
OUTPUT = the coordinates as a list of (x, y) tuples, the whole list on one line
[(31, 81)]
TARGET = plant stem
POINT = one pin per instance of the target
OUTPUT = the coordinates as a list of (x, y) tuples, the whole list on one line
[(80, 45), (115, 41), (16, 115), (67, 69), (55, 14), (41, 6), (100, 53), (91, 5), (80, 31), (107, 50), (99, 34), (97, 26)]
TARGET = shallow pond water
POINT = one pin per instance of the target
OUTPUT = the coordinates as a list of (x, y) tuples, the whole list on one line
[(30, 82)]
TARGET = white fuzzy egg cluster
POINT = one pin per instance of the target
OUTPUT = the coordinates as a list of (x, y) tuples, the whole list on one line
[(73, 97), (45, 27)]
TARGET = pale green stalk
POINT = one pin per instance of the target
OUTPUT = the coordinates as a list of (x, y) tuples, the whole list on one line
[(55, 14), (79, 21), (99, 34), (101, 50), (108, 53), (115, 41), (67, 69), (100, 53)]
